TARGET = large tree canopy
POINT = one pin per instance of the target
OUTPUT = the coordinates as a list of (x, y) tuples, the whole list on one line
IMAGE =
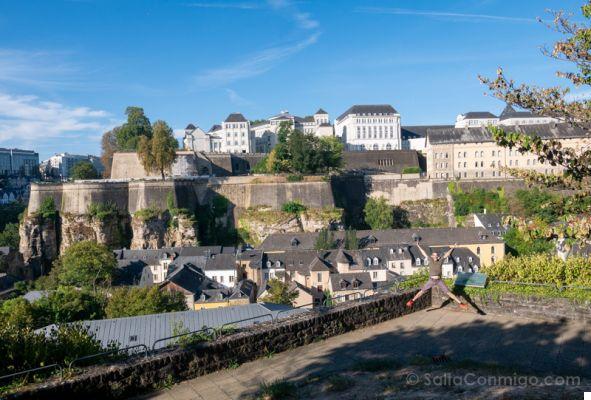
[(158, 153), (136, 127), (575, 49)]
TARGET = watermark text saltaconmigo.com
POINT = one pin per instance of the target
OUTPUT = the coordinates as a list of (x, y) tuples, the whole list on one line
[(473, 379)]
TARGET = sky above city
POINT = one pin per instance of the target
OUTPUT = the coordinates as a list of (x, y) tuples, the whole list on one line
[(69, 68)]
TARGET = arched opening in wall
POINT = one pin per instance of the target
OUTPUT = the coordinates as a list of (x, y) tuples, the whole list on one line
[(375, 146), (388, 146)]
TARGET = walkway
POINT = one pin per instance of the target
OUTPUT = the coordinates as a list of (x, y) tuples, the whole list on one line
[(538, 346)]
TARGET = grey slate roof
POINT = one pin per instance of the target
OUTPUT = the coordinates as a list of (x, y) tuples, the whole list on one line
[(479, 115), (510, 112), (368, 109), (215, 128), (146, 329), (351, 281), (190, 127), (430, 236), (416, 131), (492, 222), (482, 134), (320, 111), (34, 295), (236, 117)]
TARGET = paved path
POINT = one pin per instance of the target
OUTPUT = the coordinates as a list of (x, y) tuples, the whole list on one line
[(545, 347)]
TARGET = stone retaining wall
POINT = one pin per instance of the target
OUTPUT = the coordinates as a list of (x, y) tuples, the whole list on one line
[(139, 375), (536, 307)]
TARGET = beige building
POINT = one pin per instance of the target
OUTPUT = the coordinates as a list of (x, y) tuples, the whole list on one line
[(471, 153)]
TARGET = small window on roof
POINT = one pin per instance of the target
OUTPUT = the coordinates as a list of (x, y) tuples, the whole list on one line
[(133, 338)]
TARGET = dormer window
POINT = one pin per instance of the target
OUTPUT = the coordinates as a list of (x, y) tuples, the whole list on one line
[(400, 250), (277, 264), (391, 251), (375, 261), (460, 269), (343, 284), (368, 261), (269, 264), (356, 283), (457, 259), (295, 242), (476, 268), (418, 261), (469, 258)]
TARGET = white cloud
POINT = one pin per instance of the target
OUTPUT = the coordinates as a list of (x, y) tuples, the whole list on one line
[(426, 13), (236, 99), (32, 121), (253, 64)]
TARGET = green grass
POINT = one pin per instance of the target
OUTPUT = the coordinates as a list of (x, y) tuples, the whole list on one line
[(148, 214), (278, 390)]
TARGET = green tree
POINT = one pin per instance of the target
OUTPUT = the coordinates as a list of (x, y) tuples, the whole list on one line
[(351, 241), (68, 304), (10, 236), (108, 147), (18, 312), (131, 301), (47, 209), (136, 127), (325, 240), (280, 293), (400, 218), (521, 244), (83, 170), (331, 153), (378, 213), (85, 264), (293, 207), (158, 153), (574, 49), (10, 213)]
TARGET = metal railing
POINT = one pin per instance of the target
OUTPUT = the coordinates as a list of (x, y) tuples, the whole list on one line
[(11, 377), (205, 329), (106, 353), (244, 320), (214, 332)]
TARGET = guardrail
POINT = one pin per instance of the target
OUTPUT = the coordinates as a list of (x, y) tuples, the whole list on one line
[(183, 334), (106, 353), (214, 332)]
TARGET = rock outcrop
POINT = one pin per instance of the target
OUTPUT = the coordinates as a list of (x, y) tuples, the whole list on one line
[(256, 224), (109, 230), (162, 230), (181, 232), (38, 240)]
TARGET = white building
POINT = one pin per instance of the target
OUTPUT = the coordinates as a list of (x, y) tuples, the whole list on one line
[(265, 132), (509, 117), (197, 140), (60, 165), (476, 119), (370, 127), (232, 136)]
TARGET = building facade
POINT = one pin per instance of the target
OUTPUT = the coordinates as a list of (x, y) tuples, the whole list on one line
[(471, 153), (509, 117), (369, 127), (19, 162), (60, 165)]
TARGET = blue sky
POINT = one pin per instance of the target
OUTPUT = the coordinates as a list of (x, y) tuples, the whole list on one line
[(68, 68)]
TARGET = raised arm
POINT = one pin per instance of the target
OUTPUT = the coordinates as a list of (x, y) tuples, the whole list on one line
[(451, 249), (421, 250)]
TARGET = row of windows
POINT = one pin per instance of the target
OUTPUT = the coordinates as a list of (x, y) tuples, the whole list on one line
[(361, 132), (228, 134), (235, 126), (221, 278), (229, 143)]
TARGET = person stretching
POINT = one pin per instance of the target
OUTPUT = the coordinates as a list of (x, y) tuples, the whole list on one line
[(435, 277)]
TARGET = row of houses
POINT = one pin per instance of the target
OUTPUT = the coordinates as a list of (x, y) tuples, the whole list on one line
[(215, 276)]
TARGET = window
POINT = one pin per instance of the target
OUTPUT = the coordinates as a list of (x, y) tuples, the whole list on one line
[(231, 278), (319, 277), (375, 261), (418, 261), (375, 275), (478, 251), (492, 249), (221, 279)]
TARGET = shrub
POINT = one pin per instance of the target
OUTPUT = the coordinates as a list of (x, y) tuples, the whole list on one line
[(378, 213), (477, 201), (148, 214), (325, 240), (295, 178), (411, 170), (294, 207), (132, 301), (10, 236), (47, 208), (102, 211), (85, 264), (10, 213), (84, 170)]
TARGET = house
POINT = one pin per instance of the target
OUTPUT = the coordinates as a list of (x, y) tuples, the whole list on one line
[(369, 127), (147, 329), (491, 222), (200, 291)]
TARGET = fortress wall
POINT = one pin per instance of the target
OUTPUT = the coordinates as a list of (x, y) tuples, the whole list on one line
[(397, 190)]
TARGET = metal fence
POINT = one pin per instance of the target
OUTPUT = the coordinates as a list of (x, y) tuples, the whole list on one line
[(211, 332)]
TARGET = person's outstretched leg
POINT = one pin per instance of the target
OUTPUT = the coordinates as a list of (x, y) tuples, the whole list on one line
[(430, 283), (448, 292)]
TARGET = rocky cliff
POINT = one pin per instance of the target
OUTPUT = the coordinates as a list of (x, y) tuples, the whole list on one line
[(38, 240), (257, 223), (109, 230), (162, 230)]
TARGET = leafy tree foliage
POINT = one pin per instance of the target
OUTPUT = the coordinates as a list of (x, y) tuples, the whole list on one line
[(280, 293), (84, 170), (378, 213), (102, 211), (574, 48), (85, 264), (351, 241), (478, 200), (158, 153), (10, 236), (302, 153), (108, 148), (325, 240), (10, 213), (400, 218), (136, 127), (67, 304), (47, 209), (130, 301), (519, 243)]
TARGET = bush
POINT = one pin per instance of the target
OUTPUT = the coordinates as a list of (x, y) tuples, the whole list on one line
[(10, 236), (541, 268), (85, 264), (132, 301), (47, 208), (411, 170), (10, 213), (102, 211), (477, 201), (84, 170), (378, 213), (518, 244), (148, 214), (325, 240), (294, 207), (295, 178)]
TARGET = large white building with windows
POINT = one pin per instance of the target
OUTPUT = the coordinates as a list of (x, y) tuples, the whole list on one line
[(232, 136), (509, 117), (369, 127)]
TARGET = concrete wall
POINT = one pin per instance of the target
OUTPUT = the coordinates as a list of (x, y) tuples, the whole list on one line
[(130, 378)]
